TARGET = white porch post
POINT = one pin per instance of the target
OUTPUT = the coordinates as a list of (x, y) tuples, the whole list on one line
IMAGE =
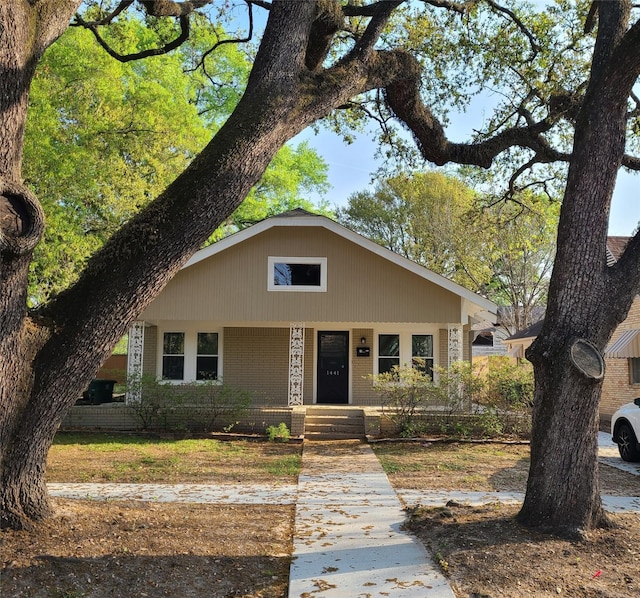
[(296, 364), (454, 346), (135, 353)]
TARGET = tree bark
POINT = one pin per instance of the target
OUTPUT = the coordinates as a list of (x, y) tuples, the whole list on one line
[(586, 299), (64, 342)]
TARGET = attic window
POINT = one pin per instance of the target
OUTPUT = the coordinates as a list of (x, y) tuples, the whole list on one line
[(308, 274)]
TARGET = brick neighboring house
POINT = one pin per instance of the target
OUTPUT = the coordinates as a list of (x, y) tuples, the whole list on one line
[(621, 382)]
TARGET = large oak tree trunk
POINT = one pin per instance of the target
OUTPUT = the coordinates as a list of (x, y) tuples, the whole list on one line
[(48, 357), (587, 300)]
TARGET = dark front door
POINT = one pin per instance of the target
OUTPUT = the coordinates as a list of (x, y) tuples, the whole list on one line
[(333, 367)]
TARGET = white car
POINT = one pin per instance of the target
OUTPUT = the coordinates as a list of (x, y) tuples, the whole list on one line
[(625, 430)]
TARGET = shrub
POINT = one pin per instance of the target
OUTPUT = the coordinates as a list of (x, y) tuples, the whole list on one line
[(194, 407), (210, 402), (279, 433), (508, 385), (403, 393), (153, 401)]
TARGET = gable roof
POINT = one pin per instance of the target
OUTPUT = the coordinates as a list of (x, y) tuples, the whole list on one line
[(529, 332), (300, 217)]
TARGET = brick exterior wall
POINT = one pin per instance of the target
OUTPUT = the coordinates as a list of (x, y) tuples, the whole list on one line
[(150, 351), (617, 388), (361, 368), (257, 360)]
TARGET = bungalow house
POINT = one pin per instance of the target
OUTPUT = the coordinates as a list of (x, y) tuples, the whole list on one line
[(621, 382), (299, 310)]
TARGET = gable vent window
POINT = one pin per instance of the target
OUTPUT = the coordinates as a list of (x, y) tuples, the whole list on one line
[(306, 274)]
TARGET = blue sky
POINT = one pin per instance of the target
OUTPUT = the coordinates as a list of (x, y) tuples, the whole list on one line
[(351, 166)]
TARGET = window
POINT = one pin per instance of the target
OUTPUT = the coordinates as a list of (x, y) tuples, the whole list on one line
[(422, 353), (297, 274), (173, 356), (207, 356), (634, 370), (388, 352)]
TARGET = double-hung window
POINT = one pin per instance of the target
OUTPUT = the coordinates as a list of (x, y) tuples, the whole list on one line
[(173, 356), (422, 353), (634, 370), (207, 356), (388, 352)]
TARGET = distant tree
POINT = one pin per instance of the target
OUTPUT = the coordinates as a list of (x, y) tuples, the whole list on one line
[(503, 250), (521, 248)]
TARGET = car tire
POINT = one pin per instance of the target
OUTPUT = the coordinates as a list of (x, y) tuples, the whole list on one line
[(627, 443)]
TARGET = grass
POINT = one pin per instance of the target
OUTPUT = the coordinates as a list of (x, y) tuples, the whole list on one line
[(453, 465), (97, 457)]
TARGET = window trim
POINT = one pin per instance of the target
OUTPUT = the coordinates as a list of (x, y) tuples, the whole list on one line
[(320, 261), (406, 332), (190, 355)]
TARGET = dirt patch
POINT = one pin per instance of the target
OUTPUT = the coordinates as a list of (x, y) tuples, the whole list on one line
[(485, 553), (95, 550)]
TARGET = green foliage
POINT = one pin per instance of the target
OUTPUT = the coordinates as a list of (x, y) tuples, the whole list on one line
[(209, 402), (190, 407), (104, 138), (279, 433), (404, 392), (464, 401), (508, 385), (156, 401)]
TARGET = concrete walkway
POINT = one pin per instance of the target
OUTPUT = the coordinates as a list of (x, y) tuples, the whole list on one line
[(348, 534), (348, 540)]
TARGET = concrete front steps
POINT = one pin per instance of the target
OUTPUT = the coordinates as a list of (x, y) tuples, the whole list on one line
[(334, 423)]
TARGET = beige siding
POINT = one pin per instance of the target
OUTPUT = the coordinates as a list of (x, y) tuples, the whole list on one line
[(617, 388), (361, 286)]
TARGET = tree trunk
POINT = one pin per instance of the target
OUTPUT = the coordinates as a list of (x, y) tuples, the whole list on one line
[(587, 301), (61, 346)]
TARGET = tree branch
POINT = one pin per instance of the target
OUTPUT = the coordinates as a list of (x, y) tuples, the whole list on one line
[(403, 97), (172, 45)]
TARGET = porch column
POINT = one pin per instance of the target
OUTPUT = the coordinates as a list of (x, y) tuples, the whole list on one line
[(454, 346), (296, 363), (135, 353)]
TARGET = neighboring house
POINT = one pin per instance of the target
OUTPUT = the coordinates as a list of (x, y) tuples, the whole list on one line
[(489, 338), (300, 310), (622, 356)]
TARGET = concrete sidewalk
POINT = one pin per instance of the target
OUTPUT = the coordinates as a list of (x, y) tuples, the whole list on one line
[(348, 537)]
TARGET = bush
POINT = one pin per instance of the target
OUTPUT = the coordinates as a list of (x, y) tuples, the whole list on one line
[(404, 392), (463, 402), (153, 401), (194, 407), (508, 385), (210, 402), (279, 433)]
